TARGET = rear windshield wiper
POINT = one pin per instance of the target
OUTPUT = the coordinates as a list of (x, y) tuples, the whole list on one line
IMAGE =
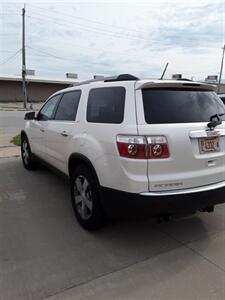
[(212, 124)]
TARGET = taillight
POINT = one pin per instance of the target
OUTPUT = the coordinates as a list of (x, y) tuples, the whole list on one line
[(158, 147), (132, 146), (141, 147)]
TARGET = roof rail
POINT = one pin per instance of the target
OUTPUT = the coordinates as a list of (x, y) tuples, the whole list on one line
[(184, 79), (121, 77)]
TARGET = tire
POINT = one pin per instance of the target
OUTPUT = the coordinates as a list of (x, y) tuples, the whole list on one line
[(26, 154), (86, 199)]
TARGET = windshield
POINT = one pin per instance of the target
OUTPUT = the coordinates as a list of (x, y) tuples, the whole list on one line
[(180, 106)]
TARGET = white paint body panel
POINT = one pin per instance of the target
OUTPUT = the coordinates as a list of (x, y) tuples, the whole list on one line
[(37, 137), (184, 169)]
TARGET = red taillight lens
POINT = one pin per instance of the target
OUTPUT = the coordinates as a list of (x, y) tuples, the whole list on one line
[(132, 146), (158, 147), (141, 147), (159, 151)]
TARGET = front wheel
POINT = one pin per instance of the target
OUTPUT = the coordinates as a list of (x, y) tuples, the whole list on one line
[(86, 199), (26, 154)]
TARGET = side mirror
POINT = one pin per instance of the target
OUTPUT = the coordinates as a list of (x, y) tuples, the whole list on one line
[(29, 116)]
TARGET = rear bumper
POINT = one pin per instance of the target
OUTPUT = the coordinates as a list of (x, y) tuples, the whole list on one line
[(118, 203), (205, 188)]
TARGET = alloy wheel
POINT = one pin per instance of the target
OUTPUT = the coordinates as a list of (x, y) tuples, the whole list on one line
[(83, 197), (25, 152)]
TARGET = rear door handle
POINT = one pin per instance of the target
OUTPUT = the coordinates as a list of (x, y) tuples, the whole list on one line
[(64, 133), (42, 130)]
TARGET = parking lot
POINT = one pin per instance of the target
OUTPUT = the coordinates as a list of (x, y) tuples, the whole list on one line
[(44, 253)]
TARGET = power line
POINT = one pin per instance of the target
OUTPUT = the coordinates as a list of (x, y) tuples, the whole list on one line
[(85, 28), (96, 22), (89, 29), (62, 58), (96, 30), (102, 65), (10, 57), (87, 20), (1, 50), (105, 32), (45, 53), (121, 53), (91, 21), (9, 34), (9, 14)]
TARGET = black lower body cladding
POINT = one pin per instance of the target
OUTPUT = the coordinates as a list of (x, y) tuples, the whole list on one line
[(118, 203)]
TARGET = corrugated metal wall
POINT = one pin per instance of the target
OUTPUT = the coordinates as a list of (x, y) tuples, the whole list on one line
[(11, 91)]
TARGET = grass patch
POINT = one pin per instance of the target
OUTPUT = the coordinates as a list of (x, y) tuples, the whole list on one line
[(16, 140)]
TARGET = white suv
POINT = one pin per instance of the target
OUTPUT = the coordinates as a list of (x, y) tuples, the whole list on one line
[(130, 143)]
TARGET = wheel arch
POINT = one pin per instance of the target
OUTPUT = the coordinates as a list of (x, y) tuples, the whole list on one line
[(23, 133), (77, 159)]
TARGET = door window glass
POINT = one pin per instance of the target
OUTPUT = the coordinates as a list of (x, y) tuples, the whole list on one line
[(47, 112), (68, 106)]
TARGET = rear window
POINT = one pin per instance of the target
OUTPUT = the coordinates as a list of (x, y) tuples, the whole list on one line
[(106, 105), (180, 106)]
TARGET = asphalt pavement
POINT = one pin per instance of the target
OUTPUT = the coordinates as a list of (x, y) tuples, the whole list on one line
[(45, 254), (11, 123)]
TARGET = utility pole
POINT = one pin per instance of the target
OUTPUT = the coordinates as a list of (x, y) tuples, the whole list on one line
[(221, 70), (24, 59)]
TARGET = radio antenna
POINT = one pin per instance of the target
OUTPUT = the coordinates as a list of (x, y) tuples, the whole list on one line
[(164, 71)]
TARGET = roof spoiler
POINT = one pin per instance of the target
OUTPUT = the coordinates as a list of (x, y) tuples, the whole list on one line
[(177, 84)]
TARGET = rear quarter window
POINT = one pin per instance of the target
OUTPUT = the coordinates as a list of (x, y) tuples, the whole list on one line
[(106, 105), (163, 106)]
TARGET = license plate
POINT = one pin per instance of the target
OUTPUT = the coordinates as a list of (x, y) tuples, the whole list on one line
[(207, 145)]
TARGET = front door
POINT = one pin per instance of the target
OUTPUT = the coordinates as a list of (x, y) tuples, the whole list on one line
[(38, 127), (61, 129)]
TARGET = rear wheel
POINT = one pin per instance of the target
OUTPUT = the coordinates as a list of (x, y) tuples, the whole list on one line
[(26, 154), (86, 199)]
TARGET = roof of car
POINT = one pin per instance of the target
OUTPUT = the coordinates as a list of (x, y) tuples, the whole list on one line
[(144, 83)]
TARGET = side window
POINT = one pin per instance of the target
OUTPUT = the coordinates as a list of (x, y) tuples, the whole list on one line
[(106, 105), (47, 112), (68, 105)]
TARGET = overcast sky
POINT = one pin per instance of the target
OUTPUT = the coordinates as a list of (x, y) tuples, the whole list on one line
[(111, 37)]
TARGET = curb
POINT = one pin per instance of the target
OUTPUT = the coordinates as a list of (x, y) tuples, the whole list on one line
[(11, 151), (15, 109), (12, 156)]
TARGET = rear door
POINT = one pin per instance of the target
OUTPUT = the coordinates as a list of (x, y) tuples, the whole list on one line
[(183, 152)]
